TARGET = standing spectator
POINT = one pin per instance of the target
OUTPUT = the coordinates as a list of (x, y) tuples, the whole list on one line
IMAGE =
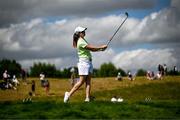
[(33, 88), (73, 76), (23, 73), (42, 78), (165, 69), (47, 86), (5, 76), (161, 69), (175, 70)]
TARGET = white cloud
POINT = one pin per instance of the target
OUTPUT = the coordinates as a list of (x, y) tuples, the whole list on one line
[(102, 57), (143, 58), (52, 41), (158, 27)]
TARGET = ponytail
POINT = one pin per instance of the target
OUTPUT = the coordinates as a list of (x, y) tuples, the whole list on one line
[(75, 39)]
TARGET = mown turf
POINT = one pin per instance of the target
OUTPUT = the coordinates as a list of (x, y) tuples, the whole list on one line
[(93, 110), (143, 99)]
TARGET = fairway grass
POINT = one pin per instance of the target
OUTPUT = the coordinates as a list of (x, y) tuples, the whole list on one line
[(143, 99), (94, 110)]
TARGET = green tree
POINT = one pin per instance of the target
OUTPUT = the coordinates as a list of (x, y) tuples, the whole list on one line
[(66, 73), (141, 72), (48, 69), (107, 70), (123, 73), (11, 66)]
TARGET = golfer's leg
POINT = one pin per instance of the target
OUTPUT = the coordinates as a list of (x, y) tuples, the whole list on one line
[(88, 86), (77, 85)]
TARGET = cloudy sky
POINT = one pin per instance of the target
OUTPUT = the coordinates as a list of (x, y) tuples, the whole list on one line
[(41, 31)]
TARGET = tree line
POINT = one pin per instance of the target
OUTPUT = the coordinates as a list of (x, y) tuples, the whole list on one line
[(50, 70)]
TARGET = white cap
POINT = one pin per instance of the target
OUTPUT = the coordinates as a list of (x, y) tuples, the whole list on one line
[(113, 99), (79, 29), (119, 100)]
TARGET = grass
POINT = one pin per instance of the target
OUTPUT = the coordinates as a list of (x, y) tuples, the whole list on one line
[(164, 102)]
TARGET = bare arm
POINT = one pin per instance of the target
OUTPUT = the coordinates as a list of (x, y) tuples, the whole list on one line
[(96, 48)]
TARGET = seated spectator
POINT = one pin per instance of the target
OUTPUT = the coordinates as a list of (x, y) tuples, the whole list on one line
[(152, 75), (148, 75), (130, 76), (6, 78), (2, 85), (159, 76), (119, 77), (15, 81)]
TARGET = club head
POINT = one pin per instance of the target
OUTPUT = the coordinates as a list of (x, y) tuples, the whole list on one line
[(126, 14)]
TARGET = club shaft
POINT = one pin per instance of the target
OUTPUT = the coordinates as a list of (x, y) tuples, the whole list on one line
[(117, 30)]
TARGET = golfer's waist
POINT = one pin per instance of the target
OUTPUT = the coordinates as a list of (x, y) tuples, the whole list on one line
[(85, 59)]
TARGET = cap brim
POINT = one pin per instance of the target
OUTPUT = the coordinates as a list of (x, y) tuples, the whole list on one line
[(85, 29)]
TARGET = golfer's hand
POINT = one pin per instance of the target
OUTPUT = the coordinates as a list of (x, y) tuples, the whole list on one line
[(103, 47)]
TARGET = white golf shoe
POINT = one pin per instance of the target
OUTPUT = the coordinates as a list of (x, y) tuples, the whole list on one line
[(119, 100), (66, 97), (87, 100)]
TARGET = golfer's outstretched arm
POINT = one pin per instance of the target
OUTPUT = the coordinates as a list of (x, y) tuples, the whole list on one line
[(96, 48)]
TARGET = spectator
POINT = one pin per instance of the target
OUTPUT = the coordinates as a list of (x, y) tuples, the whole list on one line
[(47, 86), (119, 77), (175, 70), (24, 75), (130, 76), (161, 69), (73, 76), (165, 69), (148, 75), (152, 75), (42, 79), (6, 76), (15, 81), (8, 82), (158, 76), (33, 88)]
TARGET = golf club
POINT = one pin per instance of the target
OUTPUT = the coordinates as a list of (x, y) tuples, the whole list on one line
[(118, 28)]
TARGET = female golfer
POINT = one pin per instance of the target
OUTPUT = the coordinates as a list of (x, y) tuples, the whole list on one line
[(85, 67)]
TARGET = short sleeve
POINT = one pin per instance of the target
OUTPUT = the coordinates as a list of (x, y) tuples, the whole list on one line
[(83, 44)]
